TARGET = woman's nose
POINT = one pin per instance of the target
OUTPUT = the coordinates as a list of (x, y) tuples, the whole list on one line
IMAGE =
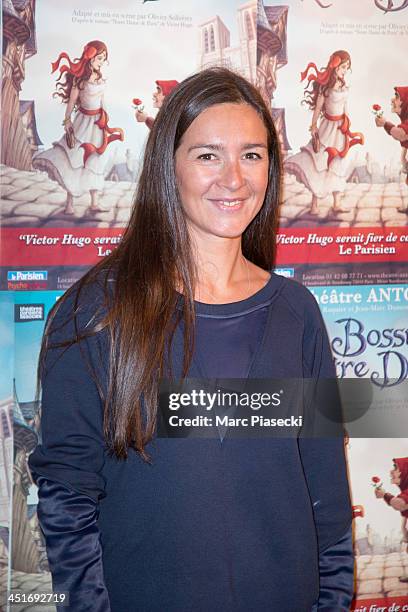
[(232, 176)]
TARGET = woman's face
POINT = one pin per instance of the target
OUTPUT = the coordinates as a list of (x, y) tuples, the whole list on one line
[(98, 60), (342, 69), (221, 169), (395, 476)]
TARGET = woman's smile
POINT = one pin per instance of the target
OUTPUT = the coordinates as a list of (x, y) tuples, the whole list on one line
[(228, 205)]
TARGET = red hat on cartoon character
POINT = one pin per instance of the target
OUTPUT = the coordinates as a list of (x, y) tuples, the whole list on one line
[(403, 94), (167, 86)]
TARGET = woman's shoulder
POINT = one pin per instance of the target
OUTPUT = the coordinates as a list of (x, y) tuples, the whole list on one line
[(292, 287), (84, 304), (299, 299)]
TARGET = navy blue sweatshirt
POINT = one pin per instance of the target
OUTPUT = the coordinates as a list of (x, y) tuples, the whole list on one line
[(231, 524)]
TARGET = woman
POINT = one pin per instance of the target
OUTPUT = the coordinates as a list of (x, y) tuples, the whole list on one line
[(186, 523), (324, 164), (77, 160)]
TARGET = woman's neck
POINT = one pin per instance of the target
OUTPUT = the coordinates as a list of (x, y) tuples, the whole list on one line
[(224, 275)]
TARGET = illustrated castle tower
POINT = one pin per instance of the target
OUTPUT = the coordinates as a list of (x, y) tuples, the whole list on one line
[(215, 43)]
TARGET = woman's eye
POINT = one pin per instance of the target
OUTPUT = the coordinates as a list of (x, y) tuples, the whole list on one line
[(206, 156), (252, 155)]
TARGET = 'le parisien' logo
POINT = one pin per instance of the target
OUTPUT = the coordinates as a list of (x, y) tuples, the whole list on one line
[(27, 280)]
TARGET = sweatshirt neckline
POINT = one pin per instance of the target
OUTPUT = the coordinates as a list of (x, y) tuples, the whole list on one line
[(241, 306)]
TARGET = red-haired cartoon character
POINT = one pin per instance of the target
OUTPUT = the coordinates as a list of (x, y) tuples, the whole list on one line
[(163, 88), (399, 105), (76, 161), (324, 164), (399, 477)]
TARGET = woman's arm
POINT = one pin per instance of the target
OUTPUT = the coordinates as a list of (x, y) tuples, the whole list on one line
[(67, 465), (69, 522), (336, 572), (332, 513), (324, 465)]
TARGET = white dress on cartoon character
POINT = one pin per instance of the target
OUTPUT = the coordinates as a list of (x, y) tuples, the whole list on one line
[(310, 168), (65, 165)]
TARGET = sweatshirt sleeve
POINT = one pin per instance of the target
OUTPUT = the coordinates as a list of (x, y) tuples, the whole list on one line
[(336, 571), (72, 449), (324, 464), (69, 522), (67, 465)]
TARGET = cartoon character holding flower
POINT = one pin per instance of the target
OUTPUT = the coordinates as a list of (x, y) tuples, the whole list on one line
[(163, 88), (399, 477), (325, 163), (77, 160), (399, 105)]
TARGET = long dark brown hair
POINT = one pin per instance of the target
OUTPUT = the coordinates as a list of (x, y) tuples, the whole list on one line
[(155, 256)]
